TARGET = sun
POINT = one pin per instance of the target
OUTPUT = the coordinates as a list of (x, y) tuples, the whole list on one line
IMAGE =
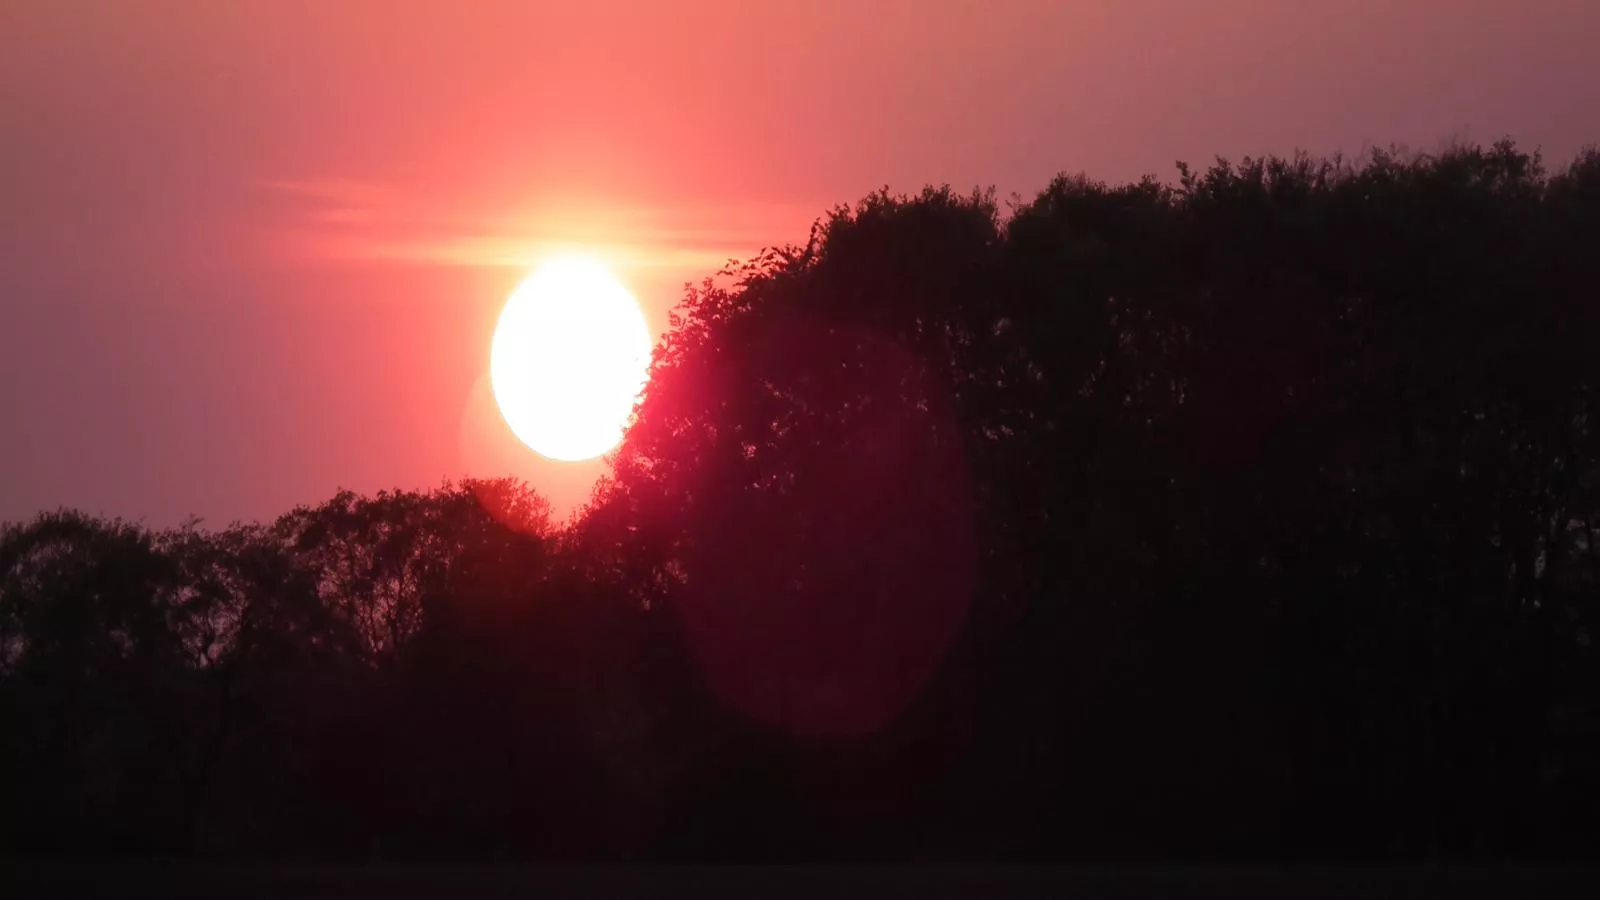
[(570, 355)]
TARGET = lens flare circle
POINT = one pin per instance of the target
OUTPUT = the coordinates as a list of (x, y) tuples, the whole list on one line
[(570, 355)]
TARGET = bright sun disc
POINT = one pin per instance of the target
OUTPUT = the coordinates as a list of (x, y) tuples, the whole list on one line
[(570, 355)]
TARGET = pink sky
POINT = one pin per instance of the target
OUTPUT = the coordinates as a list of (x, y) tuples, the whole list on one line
[(252, 251)]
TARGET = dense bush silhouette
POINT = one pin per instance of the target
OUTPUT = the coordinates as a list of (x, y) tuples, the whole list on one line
[(1248, 515)]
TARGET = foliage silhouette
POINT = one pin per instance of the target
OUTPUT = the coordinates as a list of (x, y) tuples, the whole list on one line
[(1252, 514)]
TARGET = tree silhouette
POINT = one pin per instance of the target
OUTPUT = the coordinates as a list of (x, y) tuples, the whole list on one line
[(1250, 514)]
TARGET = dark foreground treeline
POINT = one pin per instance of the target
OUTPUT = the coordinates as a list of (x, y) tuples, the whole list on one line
[(1253, 516)]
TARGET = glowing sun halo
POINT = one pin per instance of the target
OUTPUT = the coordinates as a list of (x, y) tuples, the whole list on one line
[(569, 357)]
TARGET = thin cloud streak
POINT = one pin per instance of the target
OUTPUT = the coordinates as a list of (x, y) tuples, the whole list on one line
[(335, 219)]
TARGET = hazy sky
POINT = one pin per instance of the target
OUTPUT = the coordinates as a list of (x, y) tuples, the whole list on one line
[(253, 251)]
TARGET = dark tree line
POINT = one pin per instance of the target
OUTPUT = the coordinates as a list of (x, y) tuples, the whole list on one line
[(1253, 515)]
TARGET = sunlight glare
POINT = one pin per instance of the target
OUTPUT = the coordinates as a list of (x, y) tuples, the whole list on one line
[(569, 357)]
